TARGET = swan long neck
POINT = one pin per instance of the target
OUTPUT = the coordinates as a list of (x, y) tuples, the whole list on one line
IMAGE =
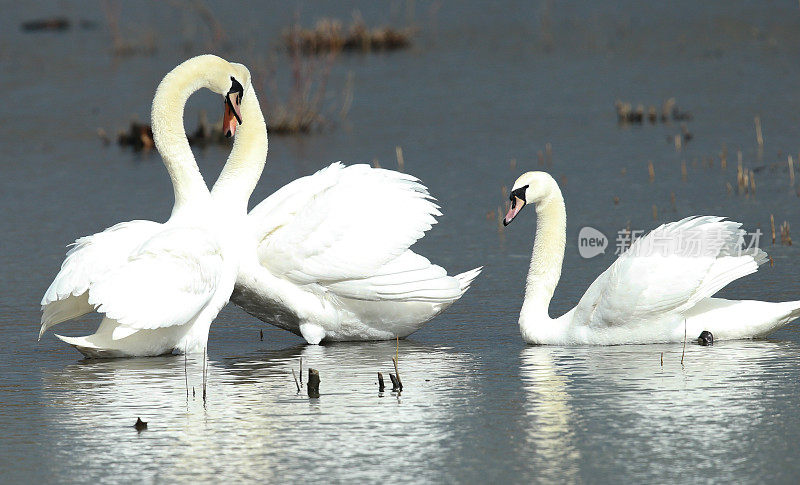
[(169, 134), (246, 161), (548, 255)]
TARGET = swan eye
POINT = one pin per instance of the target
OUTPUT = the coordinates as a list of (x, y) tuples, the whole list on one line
[(517, 194), (237, 89)]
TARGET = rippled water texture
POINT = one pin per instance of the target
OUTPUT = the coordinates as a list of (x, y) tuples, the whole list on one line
[(481, 86)]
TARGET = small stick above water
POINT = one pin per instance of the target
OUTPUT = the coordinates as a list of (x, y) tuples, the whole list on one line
[(381, 385), (295, 381), (684, 341), (313, 383)]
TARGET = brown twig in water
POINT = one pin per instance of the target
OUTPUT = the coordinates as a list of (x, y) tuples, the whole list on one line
[(759, 135), (400, 163), (684, 341), (313, 383), (295, 381), (205, 351), (772, 225)]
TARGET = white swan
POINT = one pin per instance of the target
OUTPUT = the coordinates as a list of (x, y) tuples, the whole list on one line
[(159, 286), (329, 256), (654, 292)]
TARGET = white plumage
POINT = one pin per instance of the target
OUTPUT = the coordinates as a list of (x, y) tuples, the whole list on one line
[(659, 290), (159, 286), (331, 257)]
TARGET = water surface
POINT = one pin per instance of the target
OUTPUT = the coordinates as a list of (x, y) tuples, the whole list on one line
[(480, 87)]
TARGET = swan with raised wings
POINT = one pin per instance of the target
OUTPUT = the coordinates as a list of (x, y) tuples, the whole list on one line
[(659, 290), (329, 255), (159, 286)]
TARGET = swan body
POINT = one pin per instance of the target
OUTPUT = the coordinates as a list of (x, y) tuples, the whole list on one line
[(329, 255), (158, 286), (660, 290)]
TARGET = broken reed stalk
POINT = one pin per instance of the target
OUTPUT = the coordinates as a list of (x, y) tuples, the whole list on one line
[(261, 335), (396, 386), (662, 359), (684, 341), (513, 164), (772, 225), (655, 212), (791, 171), (672, 202), (301, 371), (786, 239), (651, 171), (295, 381), (186, 377), (759, 136), (313, 383), (400, 163), (381, 385), (752, 182), (723, 157), (204, 375)]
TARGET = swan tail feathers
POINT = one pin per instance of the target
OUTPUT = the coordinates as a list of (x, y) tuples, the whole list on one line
[(60, 311), (466, 278)]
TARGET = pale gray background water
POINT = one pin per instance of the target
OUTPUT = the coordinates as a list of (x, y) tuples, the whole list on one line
[(482, 85)]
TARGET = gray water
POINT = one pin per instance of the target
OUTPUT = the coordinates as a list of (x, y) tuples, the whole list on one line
[(481, 86)]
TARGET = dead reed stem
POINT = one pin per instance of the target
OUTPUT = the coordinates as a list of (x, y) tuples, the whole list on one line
[(651, 171), (295, 381), (791, 171), (786, 239), (772, 225), (205, 351), (313, 383), (759, 136), (684, 342), (400, 163), (186, 377)]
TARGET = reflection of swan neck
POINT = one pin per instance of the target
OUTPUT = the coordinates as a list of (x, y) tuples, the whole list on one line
[(168, 132), (246, 161), (548, 254)]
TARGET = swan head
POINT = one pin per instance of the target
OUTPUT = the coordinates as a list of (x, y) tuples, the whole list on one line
[(237, 84), (530, 187)]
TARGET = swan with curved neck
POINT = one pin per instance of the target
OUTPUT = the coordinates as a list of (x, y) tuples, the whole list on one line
[(658, 291), (159, 286), (327, 255)]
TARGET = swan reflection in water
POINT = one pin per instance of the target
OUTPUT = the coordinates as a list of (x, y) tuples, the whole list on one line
[(617, 410), (254, 424)]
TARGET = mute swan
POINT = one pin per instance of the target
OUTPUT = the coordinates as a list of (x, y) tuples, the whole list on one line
[(328, 255), (654, 292), (159, 286)]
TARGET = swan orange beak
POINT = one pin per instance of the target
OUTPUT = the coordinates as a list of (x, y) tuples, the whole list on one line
[(516, 205), (233, 114)]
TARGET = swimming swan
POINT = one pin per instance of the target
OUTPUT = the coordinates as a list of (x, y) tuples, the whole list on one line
[(657, 291), (328, 255), (159, 286)]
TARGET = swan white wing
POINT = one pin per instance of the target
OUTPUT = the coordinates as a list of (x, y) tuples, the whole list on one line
[(166, 282), (341, 223), (90, 259), (669, 271), (410, 277)]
